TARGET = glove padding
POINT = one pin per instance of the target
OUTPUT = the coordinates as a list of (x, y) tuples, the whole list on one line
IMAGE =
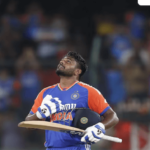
[(94, 133), (49, 106)]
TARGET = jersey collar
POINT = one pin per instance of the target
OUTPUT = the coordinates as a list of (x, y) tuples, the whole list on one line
[(67, 88)]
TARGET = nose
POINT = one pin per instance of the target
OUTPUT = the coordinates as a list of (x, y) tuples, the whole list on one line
[(62, 62)]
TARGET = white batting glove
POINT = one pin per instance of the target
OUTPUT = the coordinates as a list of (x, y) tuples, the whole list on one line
[(49, 106), (94, 133)]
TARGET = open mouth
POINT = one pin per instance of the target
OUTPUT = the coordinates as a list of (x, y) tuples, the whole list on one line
[(61, 66)]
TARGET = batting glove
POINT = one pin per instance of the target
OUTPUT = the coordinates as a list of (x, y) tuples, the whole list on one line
[(49, 106), (94, 133)]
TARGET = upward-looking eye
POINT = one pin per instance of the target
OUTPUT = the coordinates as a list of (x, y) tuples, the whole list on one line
[(68, 61)]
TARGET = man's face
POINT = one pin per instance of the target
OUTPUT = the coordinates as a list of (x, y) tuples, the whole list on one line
[(66, 67)]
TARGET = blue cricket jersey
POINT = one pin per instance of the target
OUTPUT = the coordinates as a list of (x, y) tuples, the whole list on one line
[(78, 95)]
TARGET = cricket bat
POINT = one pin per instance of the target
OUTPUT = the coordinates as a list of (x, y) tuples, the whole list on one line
[(44, 125)]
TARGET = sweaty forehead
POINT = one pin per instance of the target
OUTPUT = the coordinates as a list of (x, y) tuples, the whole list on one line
[(72, 60)]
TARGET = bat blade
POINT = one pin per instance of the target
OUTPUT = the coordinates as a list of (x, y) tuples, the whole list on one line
[(44, 125)]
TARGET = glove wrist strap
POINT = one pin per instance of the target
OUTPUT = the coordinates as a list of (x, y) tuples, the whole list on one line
[(38, 115), (101, 127)]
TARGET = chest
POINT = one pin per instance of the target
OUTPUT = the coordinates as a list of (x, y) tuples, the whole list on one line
[(72, 98)]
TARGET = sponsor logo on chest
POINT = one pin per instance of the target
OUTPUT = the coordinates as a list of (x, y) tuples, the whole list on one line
[(64, 115), (69, 106)]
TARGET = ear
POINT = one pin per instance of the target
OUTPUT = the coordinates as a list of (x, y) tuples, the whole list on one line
[(78, 71)]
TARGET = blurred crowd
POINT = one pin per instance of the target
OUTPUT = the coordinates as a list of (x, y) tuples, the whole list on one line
[(31, 45), (124, 64), (125, 57)]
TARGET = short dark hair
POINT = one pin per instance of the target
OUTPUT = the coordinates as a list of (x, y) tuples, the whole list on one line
[(80, 60)]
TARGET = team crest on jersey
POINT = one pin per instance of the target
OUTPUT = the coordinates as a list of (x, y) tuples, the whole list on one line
[(75, 96)]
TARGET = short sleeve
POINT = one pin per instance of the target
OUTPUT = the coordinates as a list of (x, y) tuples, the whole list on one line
[(39, 99), (96, 101), (37, 102)]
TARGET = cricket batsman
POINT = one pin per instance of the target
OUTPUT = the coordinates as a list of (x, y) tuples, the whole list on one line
[(57, 102)]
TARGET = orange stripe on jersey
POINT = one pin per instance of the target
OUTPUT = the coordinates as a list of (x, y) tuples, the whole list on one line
[(39, 99), (96, 101)]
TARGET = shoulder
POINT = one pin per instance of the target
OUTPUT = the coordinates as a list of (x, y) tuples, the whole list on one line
[(90, 88)]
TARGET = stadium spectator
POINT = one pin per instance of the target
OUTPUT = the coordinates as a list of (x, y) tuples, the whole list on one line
[(6, 90)]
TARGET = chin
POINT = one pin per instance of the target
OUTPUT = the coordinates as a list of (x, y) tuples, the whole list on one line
[(63, 73), (59, 72)]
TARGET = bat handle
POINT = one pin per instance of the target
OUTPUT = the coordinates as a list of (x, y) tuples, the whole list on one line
[(113, 139)]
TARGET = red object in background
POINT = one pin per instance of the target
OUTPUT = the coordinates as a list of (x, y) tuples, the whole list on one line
[(129, 16), (143, 136), (17, 85), (143, 142), (48, 77), (16, 100), (122, 130)]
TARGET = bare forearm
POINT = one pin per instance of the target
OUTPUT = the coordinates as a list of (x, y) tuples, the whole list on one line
[(110, 119), (32, 117)]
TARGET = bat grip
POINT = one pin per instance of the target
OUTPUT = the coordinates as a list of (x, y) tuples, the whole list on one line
[(113, 139)]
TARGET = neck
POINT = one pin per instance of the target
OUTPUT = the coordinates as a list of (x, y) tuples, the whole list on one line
[(67, 81)]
